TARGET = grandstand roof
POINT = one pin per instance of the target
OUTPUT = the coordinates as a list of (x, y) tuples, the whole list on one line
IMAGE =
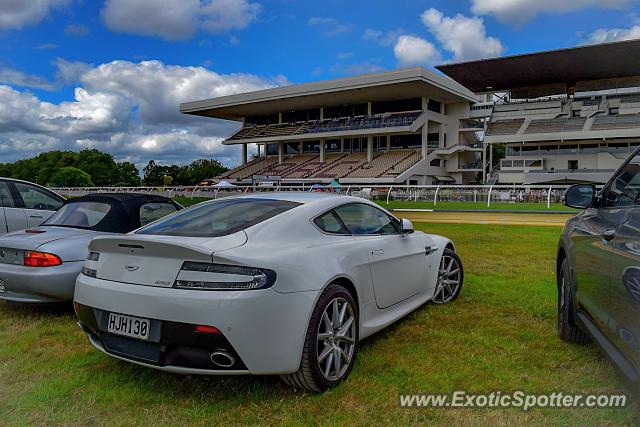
[(562, 66), (398, 84)]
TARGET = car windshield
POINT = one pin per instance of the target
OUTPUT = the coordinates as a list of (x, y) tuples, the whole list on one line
[(219, 218), (79, 214)]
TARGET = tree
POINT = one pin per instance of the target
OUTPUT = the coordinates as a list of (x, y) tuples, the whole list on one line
[(153, 174), (71, 177), (128, 175), (202, 169)]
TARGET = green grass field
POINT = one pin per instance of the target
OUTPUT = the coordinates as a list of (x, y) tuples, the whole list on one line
[(401, 204), (499, 335)]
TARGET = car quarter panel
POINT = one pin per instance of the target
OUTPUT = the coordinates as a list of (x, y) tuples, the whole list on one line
[(33, 284), (266, 328)]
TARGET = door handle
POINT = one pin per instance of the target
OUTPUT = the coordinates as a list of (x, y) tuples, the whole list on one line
[(36, 216), (377, 252), (608, 235), (428, 250)]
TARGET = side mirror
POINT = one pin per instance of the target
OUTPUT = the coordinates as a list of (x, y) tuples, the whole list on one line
[(580, 196), (407, 226)]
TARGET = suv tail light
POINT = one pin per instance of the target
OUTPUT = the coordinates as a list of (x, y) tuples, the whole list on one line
[(41, 259)]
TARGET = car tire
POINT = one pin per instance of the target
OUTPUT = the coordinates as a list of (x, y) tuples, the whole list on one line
[(328, 338), (567, 329), (450, 278)]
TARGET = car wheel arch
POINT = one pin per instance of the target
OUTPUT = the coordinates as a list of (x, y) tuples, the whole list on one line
[(562, 255)]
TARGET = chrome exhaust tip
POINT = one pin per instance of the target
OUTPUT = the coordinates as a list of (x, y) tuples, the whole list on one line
[(222, 359)]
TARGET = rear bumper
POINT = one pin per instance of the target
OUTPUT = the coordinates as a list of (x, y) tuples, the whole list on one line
[(264, 328), (39, 284)]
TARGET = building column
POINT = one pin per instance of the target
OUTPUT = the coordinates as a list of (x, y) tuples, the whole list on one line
[(441, 134), (280, 152), (425, 103), (490, 156), (279, 118), (425, 139), (388, 143), (321, 113), (244, 154), (369, 109), (342, 145), (301, 149), (484, 163), (369, 148), (322, 141), (258, 150)]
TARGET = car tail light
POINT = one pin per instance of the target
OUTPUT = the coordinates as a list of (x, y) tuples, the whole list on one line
[(222, 277), (204, 329), (41, 259), (89, 265)]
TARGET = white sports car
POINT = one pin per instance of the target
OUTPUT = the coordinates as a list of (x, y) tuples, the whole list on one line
[(272, 283)]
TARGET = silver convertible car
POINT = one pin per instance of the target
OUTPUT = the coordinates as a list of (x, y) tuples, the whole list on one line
[(284, 283), (40, 264)]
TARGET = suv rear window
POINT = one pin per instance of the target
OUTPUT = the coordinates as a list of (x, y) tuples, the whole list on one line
[(219, 218)]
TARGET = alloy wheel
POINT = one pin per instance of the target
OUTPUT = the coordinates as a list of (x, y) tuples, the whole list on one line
[(336, 339), (449, 280)]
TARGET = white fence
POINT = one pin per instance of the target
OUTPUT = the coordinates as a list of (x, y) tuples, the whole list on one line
[(544, 196)]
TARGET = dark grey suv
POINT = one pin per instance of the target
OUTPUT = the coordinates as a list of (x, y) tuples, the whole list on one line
[(598, 269)]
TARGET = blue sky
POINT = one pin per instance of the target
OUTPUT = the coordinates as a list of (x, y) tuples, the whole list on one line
[(110, 74)]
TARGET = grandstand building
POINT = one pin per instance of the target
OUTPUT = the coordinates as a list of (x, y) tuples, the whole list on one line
[(408, 126), (565, 116)]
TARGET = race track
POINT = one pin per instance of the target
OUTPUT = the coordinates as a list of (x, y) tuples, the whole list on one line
[(499, 218)]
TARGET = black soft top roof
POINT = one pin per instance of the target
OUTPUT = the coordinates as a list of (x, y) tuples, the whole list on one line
[(124, 215)]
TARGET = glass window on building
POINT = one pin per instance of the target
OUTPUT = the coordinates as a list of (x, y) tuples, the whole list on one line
[(573, 165), (272, 149), (406, 141), (434, 106), (292, 148), (311, 147), (396, 106), (568, 149), (589, 148), (332, 145)]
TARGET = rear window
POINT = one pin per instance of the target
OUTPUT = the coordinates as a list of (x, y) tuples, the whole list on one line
[(219, 218), (80, 214), (150, 212)]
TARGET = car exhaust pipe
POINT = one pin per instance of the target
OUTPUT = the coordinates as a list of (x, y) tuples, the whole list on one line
[(222, 359)]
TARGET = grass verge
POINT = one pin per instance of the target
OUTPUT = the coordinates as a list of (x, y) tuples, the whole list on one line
[(500, 335)]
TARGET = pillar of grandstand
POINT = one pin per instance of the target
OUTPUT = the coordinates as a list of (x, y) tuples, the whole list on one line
[(407, 126), (564, 116)]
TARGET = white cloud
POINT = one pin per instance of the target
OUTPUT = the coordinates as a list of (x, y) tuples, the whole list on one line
[(178, 19), (382, 38), (465, 37), (411, 50), (358, 68), (129, 109), (16, 14), (19, 78), (329, 26), (604, 35), (520, 11), (77, 30)]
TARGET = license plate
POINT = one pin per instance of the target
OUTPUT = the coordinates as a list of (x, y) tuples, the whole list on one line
[(128, 326)]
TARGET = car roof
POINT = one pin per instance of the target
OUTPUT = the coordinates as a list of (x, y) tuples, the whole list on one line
[(304, 197), (124, 213)]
